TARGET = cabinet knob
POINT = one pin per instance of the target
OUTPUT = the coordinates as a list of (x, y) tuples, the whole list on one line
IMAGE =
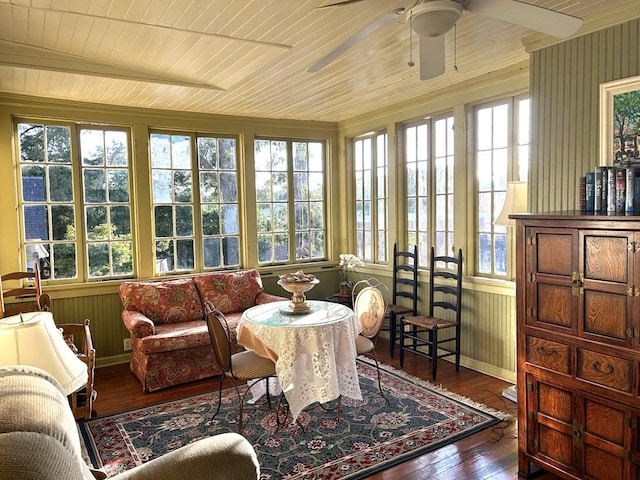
[(576, 283)]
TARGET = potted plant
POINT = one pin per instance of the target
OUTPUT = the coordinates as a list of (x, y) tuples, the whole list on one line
[(347, 263)]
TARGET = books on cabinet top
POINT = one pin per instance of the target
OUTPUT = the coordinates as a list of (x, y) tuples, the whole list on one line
[(611, 190)]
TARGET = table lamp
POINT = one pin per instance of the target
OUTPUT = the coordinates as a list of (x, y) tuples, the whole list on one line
[(514, 202), (32, 338)]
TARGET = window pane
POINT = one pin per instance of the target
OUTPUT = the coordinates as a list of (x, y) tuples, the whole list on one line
[(98, 254), (117, 149), (277, 177), (184, 254), (95, 186), (184, 221), (47, 198), (430, 185), (500, 158), (211, 249), (105, 175), (211, 220), (370, 154), (163, 216), (64, 260), (61, 183), (230, 224), (96, 221), (172, 186)]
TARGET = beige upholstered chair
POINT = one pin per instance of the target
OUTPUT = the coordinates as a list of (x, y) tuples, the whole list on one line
[(240, 367)]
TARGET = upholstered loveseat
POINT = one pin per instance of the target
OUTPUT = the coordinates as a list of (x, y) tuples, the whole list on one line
[(39, 440), (169, 340)]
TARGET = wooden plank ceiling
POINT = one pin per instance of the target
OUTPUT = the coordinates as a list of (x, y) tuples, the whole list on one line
[(250, 57)]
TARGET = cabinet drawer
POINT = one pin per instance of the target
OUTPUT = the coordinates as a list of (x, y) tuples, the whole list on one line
[(605, 370), (547, 354)]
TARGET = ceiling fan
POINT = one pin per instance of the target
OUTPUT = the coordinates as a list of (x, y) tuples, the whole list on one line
[(431, 19)]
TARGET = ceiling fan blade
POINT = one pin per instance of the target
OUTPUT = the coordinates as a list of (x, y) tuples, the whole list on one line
[(431, 56), (340, 4), (350, 42), (540, 19)]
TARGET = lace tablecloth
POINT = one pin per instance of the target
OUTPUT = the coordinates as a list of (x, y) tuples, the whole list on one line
[(314, 353)]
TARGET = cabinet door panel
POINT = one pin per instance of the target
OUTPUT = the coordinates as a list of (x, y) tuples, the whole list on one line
[(607, 280), (555, 403), (606, 314), (604, 438), (555, 305), (601, 465), (557, 446), (606, 257), (550, 429), (554, 252), (552, 264)]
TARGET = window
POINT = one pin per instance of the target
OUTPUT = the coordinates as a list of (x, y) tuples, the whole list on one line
[(51, 230), (429, 158), (290, 200), (178, 177), (107, 214), (371, 196), (501, 155)]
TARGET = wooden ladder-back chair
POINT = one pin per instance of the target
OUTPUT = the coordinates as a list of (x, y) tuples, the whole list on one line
[(404, 296), (246, 366), (369, 308), (13, 285), (445, 293)]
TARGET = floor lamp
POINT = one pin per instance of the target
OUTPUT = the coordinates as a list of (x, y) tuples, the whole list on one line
[(515, 202), (33, 339)]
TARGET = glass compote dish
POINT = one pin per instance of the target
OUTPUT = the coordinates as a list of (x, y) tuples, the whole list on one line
[(298, 283)]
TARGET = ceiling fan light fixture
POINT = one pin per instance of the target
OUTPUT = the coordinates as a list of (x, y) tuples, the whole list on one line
[(435, 18)]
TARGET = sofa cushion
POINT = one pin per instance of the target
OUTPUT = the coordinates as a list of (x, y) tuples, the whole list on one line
[(180, 336), (230, 291), (176, 336), (166, 301)]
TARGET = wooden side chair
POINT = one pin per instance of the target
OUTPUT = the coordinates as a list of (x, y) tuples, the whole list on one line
[(369, 308), (445, 294), (404, 296), (241, 367), (78, 337), (13, 286)]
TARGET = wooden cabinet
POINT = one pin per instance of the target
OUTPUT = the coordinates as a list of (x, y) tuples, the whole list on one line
[(578, 307)]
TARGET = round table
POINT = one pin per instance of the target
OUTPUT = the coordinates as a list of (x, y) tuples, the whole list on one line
[(314, 353)]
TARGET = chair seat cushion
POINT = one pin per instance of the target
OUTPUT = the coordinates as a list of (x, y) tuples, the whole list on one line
[(248, 365), (398, 309), (428, 322), (363, 345)]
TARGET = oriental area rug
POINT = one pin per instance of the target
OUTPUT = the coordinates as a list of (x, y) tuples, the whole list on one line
[(369, 436)]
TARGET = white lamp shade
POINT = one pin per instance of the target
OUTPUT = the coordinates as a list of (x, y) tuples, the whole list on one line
[(32, 338), (515, 202)]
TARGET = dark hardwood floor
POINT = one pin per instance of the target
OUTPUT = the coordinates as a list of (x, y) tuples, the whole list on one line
[(490, 454)]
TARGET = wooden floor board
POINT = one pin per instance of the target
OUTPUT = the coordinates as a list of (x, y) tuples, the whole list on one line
[(490, 454)]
